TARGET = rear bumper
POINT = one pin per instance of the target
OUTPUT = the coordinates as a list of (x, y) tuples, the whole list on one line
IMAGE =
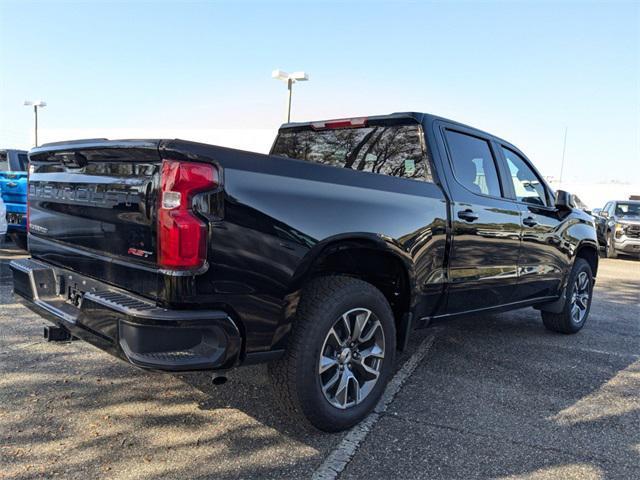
[(126, 325)]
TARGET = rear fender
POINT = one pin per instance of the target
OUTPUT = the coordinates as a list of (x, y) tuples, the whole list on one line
[(346, 241), (329, 246)]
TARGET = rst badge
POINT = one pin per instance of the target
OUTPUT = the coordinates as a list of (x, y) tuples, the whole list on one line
[(139, 253)]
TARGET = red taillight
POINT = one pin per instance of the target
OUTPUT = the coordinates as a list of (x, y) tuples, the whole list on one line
[(345, 123), (182, 236)]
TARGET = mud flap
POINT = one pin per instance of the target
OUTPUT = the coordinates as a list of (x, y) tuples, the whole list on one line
[(404, 330), (556, 306)]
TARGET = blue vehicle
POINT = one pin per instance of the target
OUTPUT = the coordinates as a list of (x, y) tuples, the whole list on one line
[(13, 187)]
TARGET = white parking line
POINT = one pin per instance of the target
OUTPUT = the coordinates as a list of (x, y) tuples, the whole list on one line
[(340, 456)]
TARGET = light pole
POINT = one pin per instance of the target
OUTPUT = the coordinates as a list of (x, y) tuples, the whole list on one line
[(290, 78), (39, 103), (564, 149)]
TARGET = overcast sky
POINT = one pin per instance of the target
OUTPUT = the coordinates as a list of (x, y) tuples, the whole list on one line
[(201, 70)]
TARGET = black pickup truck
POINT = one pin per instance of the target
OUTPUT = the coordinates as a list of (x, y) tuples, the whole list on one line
[(319, 258)]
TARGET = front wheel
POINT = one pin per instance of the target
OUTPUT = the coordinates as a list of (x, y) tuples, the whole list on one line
[(340, 354), (611, 245), (578, 301)]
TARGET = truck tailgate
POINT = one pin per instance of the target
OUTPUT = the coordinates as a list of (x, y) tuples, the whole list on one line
[(93, 207)]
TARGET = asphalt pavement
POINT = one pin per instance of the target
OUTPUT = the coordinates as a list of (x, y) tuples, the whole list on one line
[(494, 396)]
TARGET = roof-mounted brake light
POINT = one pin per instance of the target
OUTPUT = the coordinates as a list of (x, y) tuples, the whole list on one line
[(342, 123)]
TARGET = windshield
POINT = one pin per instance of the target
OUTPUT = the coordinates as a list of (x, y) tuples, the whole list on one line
[(17, 162), (394, 150), (23, 162), (628, 209)]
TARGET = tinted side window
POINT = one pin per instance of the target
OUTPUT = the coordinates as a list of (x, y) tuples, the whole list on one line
[(609, 208), (473, 163), (528, 187), (394, 150)]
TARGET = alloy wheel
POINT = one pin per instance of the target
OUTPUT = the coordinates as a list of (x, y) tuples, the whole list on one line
[(351, 358), (580, 297)]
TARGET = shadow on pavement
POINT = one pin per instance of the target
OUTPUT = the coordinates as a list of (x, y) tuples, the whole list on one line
[(497, 396), (500, 397)]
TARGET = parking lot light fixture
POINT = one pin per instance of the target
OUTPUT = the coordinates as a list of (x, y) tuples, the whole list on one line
[(35, 105), (290, 79)]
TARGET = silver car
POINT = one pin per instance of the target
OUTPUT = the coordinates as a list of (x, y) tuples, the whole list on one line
[(618, 226)]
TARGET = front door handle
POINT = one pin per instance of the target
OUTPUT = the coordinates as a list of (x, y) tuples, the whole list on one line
[(467, 215), (530, 222)]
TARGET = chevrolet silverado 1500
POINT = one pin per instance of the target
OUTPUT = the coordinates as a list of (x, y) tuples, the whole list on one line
[(319, 258)]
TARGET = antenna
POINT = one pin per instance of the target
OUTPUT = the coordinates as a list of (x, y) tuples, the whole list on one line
[(564, 149)]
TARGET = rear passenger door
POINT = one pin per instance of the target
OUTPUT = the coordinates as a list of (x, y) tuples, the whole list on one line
[(486, 227), (543, 254)]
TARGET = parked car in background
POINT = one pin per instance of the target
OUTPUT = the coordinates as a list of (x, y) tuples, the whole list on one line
[(319, 258), (3, 221), (13, 188), (618, 227)]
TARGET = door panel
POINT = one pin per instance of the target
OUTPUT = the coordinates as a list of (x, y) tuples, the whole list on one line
[(542, 262), (486, 227), (484, 256)]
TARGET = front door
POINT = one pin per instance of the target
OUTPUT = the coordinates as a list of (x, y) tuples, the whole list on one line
[(544, 253), (486, 229)]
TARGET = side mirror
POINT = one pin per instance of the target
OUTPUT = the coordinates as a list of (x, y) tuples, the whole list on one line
[(604, 214), (564, 200)]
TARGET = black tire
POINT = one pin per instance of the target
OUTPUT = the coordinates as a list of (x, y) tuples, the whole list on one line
[(565, 321), (610, 248), (296, 378), (20, 239)]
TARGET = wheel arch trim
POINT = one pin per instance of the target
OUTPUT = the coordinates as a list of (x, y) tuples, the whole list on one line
[(377, 242), (346, 241), (584, 245)]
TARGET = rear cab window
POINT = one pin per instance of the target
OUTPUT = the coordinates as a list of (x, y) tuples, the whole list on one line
[(389, 149)]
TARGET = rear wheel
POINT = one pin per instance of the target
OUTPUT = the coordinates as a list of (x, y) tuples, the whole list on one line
[(340, 354), (578, 301)]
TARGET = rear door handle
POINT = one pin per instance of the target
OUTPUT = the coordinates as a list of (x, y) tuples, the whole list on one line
[(467, 215), (530, 222)]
